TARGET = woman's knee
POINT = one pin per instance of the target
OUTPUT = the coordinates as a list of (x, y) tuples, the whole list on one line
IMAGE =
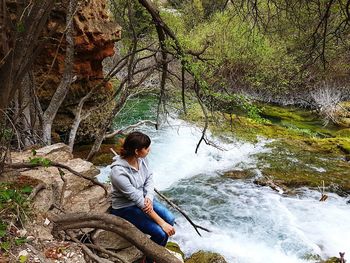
[(170, 218), (164, 213), (159, 236)]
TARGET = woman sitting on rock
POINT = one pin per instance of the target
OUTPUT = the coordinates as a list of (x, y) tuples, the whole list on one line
[(133, 191)]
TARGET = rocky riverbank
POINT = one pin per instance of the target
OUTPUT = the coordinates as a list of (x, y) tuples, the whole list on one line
[(60, 191), (302, 151)]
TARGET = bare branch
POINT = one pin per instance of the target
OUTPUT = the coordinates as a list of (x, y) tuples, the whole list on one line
[(130, 127), (55, 164)]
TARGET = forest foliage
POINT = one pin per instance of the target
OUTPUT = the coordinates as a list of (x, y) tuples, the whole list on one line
[(275, 51), (226, 54)]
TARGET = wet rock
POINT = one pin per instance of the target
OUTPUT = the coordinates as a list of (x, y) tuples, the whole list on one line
[(331, 260), (239, 174), (177, 255), (172, 246), (206, 257), (278, 187)]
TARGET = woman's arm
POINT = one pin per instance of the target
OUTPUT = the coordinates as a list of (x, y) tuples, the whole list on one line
[(123, 184), (149, 183), (168, 229)]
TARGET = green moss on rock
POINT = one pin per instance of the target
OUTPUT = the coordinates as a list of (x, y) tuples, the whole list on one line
[(303, 151), (239, 174), (176, 248), (206, 257), (293, 164), (331, 260), (343, 133)]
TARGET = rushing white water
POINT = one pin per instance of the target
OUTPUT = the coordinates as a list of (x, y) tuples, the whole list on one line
[(250, 224)]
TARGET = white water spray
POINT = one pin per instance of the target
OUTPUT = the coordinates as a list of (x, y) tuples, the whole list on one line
[(250, 224)]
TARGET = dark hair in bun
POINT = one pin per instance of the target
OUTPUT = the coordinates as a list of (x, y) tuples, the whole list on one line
[(134, 141)]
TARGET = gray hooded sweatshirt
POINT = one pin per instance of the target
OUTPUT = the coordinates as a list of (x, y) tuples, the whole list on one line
[(131, 186)]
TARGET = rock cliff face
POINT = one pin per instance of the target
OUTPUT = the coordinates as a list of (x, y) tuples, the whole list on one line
[(95, 35)]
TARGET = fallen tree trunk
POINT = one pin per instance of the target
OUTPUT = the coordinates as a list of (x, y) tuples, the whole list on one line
[(116, 225)]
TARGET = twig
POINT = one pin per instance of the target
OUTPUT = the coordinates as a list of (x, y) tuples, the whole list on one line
[(87, 251), (40, 256), (55, 196), (182, 212), (106, 251), (122, 131), (322, 191), (35, 191), (63, 187), (206, 124)]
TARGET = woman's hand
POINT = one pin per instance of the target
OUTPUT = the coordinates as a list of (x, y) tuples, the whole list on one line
[(148, 206), (168, 229)]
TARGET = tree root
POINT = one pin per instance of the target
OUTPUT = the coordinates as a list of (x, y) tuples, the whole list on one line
[(87, 251), (116, 225), (35, 191)]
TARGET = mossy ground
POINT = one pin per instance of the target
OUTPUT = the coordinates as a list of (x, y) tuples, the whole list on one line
[(302, 152)]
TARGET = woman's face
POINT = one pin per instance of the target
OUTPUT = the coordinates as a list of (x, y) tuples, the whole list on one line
[(142, 153)]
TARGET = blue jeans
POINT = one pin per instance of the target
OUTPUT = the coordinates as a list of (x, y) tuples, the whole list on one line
[(142, 221)]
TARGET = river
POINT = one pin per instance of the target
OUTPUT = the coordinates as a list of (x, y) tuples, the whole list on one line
[(249, 223)]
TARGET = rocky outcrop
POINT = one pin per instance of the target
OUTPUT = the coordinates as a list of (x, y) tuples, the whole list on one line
[(79, 195), (95, 35)]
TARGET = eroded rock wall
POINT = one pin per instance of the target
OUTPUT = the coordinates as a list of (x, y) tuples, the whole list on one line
[(95, 35)]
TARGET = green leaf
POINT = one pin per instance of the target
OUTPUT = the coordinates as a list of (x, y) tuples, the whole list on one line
[(41, 161), (5, 195), (34, 152), (27, 189), (23, 258), (5, 245), (20, 241)]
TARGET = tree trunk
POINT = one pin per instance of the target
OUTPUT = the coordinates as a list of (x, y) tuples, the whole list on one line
[(20, 48), (62, 90)]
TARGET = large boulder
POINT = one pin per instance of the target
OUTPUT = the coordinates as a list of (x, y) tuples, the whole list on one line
[(114, 242), (77, 193)]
